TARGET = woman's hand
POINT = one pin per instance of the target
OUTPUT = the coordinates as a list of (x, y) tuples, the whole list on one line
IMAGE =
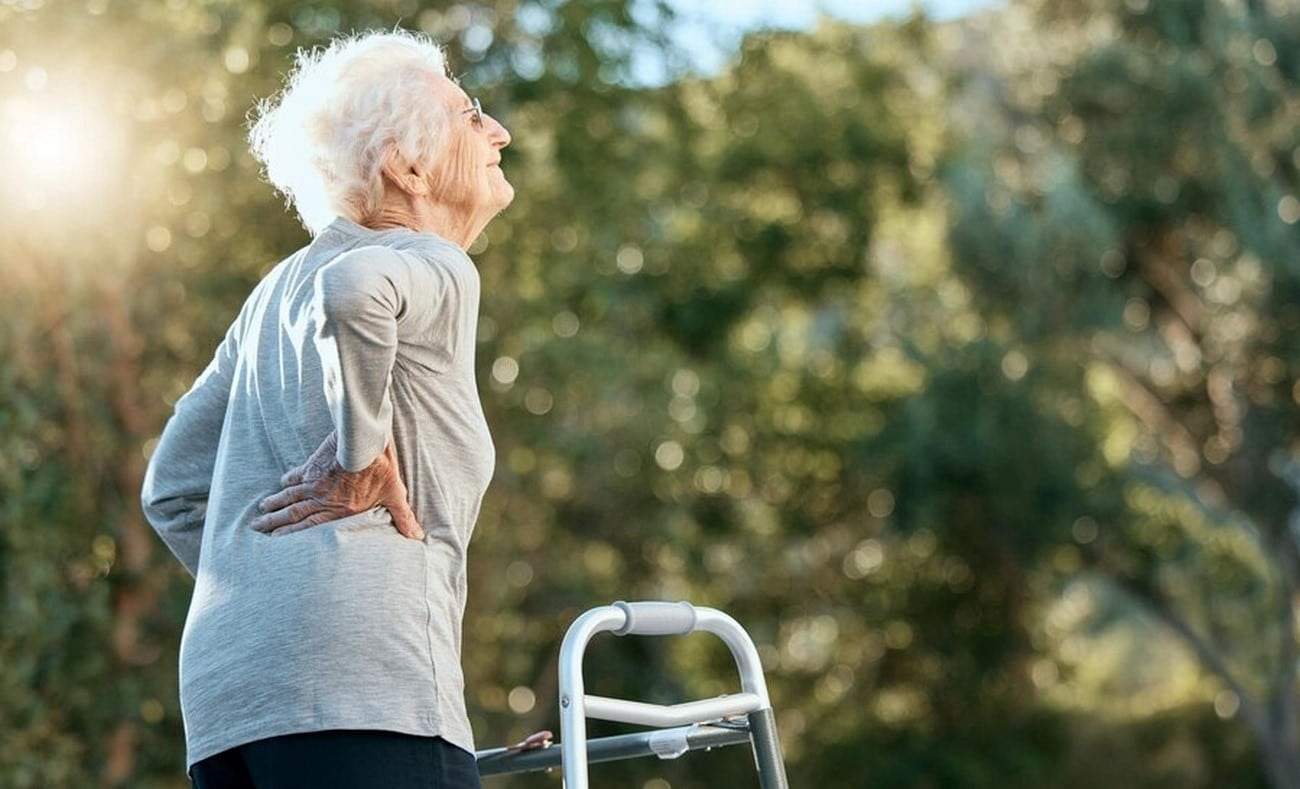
[(320, 490)]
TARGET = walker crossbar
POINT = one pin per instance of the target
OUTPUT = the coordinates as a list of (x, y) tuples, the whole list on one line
[(664, 743), (624, 711), (659, 619)]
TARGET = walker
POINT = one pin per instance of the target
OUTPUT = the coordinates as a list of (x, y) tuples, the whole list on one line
[(694, 725)]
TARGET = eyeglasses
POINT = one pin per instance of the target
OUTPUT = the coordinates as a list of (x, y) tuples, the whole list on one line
[(477, 110)]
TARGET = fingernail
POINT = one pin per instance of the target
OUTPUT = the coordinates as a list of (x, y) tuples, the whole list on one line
[(419, 534)]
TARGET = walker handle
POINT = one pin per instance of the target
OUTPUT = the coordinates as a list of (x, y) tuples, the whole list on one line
[(656, 618)]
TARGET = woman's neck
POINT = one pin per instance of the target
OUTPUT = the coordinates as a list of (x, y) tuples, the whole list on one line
[(457, 226)]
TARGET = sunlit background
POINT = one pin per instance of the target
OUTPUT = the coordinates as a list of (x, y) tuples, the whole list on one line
[(951, 347)]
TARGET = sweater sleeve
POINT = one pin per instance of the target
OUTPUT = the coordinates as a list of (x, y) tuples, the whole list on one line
[(369, 304), (178, 479)]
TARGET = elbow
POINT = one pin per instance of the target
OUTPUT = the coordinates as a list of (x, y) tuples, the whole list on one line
[(156, 502), (150, 502)]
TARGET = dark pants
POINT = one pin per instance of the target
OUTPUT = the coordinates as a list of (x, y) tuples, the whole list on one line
[(340, 760)]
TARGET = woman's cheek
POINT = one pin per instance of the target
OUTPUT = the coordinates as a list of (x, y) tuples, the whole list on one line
[(455, 183)]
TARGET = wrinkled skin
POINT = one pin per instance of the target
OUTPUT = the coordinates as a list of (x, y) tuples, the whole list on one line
[(320, 491)]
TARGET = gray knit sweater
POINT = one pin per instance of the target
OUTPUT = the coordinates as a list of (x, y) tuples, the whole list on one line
[(347, 625)]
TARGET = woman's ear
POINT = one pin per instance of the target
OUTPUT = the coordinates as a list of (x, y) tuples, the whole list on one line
[(403, 175)]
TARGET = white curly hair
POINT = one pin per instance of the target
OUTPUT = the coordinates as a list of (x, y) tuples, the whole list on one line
[(323, 139)]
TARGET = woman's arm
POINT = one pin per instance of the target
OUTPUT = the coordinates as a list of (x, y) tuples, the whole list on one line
[(365, 301), (179, 476), (362, 301)]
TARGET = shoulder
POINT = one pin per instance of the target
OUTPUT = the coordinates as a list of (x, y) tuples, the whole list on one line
[(431, 245), (369, 257), (365, 247), (435, 251)]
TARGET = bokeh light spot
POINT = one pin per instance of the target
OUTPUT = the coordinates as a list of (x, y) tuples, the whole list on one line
[(521, 700), (236, 60), (1288, 209), (158, 238), (669, 455)]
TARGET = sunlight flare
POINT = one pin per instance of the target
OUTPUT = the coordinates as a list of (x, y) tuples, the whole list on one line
[(59, 152)]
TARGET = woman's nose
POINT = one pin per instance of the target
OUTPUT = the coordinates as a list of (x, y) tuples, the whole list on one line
[(496, 132)]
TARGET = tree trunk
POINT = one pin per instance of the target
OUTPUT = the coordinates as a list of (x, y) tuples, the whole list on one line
[(134, 598)]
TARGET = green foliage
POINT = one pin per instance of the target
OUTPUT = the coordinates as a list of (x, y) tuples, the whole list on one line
[(955, 361)]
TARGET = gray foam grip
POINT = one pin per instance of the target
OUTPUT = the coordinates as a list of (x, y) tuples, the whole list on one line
[(654, 618)]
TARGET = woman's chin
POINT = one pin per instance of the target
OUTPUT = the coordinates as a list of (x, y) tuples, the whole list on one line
[(504, 194)]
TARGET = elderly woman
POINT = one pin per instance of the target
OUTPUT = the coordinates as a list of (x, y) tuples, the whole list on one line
[(323, 475)]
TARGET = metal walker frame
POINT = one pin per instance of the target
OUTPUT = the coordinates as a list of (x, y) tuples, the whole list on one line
[(694, 725)]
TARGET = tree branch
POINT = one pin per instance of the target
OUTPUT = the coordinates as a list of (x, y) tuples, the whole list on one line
[(1209, 655), (1160, 260), (1152, 412)]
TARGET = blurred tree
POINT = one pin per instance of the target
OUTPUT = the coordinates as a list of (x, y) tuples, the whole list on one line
[(875, 340), (669, 391), (1124, 216), (88, 641)]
